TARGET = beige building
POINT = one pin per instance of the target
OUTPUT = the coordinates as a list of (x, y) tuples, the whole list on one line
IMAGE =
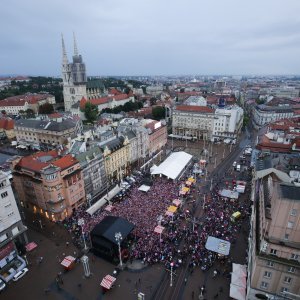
[(54, 132), (193, 121), (117, 158), (274, 243), (49, 184)]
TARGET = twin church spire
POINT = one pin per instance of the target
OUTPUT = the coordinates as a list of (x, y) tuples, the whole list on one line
[(64, 52)]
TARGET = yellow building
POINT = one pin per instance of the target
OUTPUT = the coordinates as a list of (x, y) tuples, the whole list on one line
[(116, 158)]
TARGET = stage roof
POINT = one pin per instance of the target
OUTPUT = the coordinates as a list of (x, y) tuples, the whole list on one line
[(110, 225), (173, 165), (144, 188)]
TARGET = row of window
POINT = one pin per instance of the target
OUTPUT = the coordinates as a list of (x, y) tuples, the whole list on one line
[(264, 285), (293, 255)]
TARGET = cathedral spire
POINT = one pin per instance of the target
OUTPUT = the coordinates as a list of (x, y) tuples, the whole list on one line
[(75, 45), (64, 53)]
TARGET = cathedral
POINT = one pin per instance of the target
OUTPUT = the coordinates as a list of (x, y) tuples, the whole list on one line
[(75, 83)]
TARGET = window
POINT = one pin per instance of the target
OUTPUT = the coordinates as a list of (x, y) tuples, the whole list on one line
[(294, 256), (286, 236), (3, 237), (290, 224), (264, 285), (267, 274), (291, 269), (293, 212), (3, 195), (287, 279), (273, 251), (270, 263)]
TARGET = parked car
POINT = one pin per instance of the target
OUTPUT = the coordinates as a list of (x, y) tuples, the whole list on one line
[(2, 285), (20, 274)]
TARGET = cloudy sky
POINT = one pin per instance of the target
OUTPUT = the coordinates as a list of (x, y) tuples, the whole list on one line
[(152, 37)]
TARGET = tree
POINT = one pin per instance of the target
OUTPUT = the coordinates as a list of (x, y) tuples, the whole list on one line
[(90, 112), (30, 113), (46, 108), (158, 112)]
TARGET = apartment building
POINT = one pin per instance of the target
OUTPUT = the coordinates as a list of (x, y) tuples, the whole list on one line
[(54, 132), (93, 170), (193, 121), (274, 242), (228, 122), (263, 114), (116, 158), (49, 183), (12, 231), (158, 136), (13, 105)]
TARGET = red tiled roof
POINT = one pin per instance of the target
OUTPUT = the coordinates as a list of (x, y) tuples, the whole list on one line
[(55, 115), (33, 163), (82, 103), (7, 123), (65, 162), (195, 108), (21, 99), (114, 91), (99, 101)]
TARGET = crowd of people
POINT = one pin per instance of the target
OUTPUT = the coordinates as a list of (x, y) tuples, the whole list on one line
[(143, 210)]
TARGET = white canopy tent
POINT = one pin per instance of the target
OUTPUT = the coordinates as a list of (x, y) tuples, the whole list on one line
[(229, 194), (173, 165), (144, 188), (237, 292), (238, 280), (240, 270)]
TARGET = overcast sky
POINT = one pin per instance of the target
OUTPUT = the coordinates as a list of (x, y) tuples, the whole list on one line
[(152, 37)]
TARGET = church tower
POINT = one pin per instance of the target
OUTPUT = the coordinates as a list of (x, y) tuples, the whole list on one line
[(74, 77)]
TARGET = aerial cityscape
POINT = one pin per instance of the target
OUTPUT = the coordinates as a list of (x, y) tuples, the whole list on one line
[(155, 158)]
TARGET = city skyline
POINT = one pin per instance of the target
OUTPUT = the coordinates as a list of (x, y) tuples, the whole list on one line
[(152, 38)]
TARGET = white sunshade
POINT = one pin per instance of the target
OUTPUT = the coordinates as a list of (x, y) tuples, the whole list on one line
[(217, 245), (173, 165), (240, 270), (229, 194), (144, 188), (238, 280), (237, 292)]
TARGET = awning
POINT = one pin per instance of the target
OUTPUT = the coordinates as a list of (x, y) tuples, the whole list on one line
[(240, 270), (144, 188), (238, 280), (229, 194), (108, 281), (159, 229), (237, 292), (177, 202), (172, 209), (30, 246), (191, 179), (217, 245), (68, 260)]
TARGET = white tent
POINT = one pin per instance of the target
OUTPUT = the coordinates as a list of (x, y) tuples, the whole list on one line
[(237, 292), (173, 165), (144, 188), (238, 280), (153, 168), (229, 194), (240, 270)]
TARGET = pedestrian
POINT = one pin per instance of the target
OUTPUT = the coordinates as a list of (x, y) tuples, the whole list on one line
[(67, 244), (185, 281), (193, 294), (216, 296), (139, 280)]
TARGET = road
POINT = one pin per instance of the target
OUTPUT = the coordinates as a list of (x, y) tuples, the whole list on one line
[(186, 286)]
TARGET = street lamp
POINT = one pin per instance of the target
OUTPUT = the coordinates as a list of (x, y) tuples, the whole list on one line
[(171, 273), (118, 237), (81, 223)]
